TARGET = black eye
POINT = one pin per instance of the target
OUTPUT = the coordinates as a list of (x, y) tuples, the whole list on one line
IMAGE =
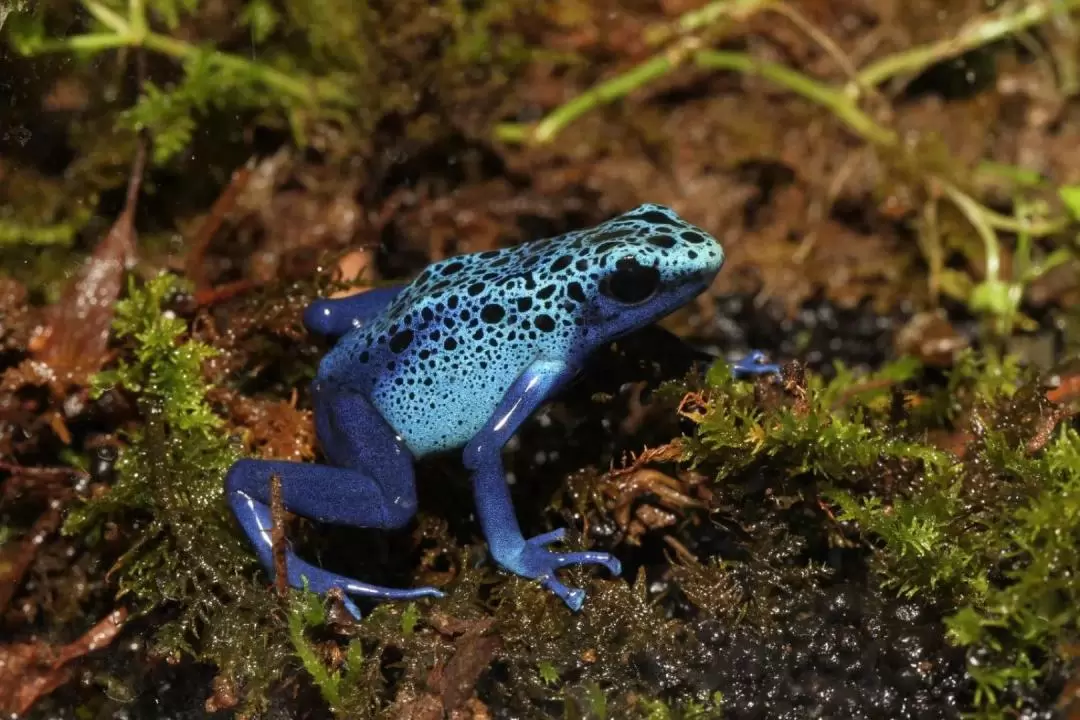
[(631, 283)]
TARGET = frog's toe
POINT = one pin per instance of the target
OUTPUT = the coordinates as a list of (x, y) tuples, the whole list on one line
[(573, 597), (420, 592), (754, 364), (587, 558), (373, 591), (548, 537), (304, 574), (351, 608), (538, 554), (537, 562)]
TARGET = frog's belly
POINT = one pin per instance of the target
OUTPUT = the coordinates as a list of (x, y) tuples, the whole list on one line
[(443, 416)]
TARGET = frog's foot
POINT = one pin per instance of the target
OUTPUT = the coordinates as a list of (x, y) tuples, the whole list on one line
[(754, 364), (321, 581), (535, 561)]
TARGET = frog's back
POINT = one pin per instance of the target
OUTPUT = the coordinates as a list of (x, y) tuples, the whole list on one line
[(442, 355), (439, 359)]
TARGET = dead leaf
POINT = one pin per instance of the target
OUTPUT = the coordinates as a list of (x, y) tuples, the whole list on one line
[(455, 682), (16, 557), (29, 671), (74, 341)]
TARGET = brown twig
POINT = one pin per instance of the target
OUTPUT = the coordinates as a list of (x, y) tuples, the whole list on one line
[(221, 293), (39, 472), (277, 536), (681, 550), (95, 638)]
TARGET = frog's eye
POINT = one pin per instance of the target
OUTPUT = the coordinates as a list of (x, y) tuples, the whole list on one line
[(631, 283)]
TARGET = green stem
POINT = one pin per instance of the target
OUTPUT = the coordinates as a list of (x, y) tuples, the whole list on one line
[(107, 17), (976, 213), (303, 90), (137, 17), (133, 32), (661, 64), (710, 14), (828, 97), (91, 42), (976, 33), (601, 94), (297, 88), (1014, 225)]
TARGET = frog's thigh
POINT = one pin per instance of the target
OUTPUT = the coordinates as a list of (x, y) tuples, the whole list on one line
[(374, 487)]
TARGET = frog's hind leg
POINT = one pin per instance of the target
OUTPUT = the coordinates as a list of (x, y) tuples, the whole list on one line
[(334, 317), (374, 489)]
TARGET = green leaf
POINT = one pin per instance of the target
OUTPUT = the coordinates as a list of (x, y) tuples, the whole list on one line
[(1070, 195), (409, 617), (548, 674), (261, 17), (995, 297)]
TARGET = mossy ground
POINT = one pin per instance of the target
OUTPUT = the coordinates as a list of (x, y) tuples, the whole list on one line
[(900, 538)]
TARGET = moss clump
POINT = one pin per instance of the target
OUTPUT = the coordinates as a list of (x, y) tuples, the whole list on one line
[(985, 523), (344, 689), (184, 559)]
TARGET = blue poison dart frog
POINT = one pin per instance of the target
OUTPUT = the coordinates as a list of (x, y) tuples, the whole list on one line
[(459, 358)]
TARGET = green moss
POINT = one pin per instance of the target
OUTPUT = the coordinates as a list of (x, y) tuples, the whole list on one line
[(994, 537), (184, 558), (1029, 617), (689, 710), (832, 431), (164, 371), (342, 689)]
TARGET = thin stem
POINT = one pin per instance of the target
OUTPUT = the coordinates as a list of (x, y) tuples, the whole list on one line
[(275, 79), (90, 42), (817, 35), (976, 215), (1015, 225), (601, 94), (695, 20), (107, 17), (831, 98), (298, 88), (137, 17), (973, 34)]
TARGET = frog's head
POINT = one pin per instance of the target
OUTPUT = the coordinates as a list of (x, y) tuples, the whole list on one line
[(645, 264)]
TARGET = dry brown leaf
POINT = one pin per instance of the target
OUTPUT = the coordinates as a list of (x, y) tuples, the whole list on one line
[(29, 671)]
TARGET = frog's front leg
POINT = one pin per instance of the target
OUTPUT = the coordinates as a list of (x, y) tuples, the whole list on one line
[(336, 316), (528, 558), (372, 488)]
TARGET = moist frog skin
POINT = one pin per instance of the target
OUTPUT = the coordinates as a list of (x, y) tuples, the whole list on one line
[(458, 359)]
